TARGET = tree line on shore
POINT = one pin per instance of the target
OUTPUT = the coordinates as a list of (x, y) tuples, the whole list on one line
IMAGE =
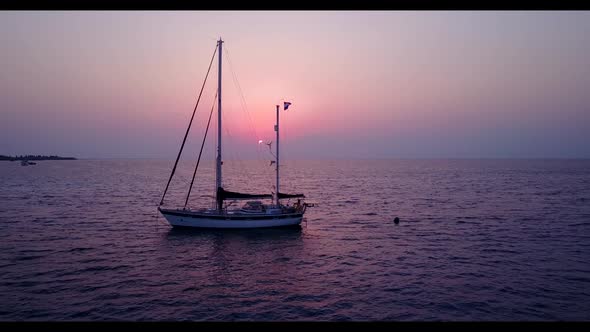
[(34, 157)]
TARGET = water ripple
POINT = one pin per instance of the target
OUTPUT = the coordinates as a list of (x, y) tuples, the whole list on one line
[(478, 240)]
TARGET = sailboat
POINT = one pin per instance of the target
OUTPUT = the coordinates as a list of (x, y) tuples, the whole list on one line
[(254, 213)]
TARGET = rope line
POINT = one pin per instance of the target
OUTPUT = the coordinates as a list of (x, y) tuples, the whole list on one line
[(188, 129), (200, 152)]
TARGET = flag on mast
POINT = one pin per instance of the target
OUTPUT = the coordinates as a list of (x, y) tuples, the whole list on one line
[(286, 105)]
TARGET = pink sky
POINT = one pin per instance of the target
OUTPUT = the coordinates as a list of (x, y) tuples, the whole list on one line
[(363, 84)]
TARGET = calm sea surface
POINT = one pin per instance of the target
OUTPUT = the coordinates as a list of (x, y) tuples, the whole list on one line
[(478, 240)]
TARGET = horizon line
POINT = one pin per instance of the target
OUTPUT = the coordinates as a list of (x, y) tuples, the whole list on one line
[(346, 158)]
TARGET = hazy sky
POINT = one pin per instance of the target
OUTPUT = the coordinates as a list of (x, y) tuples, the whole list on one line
[(363, 84)]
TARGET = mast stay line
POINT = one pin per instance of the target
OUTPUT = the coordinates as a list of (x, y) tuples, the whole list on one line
[(200, 152), (188, 129)]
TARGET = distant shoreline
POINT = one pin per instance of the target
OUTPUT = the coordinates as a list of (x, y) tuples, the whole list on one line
[(37, 157)]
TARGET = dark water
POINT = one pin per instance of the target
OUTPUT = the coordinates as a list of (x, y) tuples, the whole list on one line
[(478, 240)]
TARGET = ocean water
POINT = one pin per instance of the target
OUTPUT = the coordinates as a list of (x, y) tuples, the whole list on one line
[(478, 240)]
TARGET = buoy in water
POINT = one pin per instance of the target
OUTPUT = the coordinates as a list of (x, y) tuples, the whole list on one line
[(396, 220)]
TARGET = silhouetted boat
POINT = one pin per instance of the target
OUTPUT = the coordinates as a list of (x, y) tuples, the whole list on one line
[(27, 163), (254, 213)]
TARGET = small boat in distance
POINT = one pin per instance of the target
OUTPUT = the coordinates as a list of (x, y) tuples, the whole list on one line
[(254, 213), (27, 163)]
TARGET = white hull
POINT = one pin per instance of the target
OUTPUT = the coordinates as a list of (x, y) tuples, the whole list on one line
[(201, 221)]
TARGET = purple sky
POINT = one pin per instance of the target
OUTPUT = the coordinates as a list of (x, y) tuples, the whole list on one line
[(363, 84)]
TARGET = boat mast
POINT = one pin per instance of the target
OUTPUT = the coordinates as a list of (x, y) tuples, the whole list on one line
[(218, 169), (277, 130)]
